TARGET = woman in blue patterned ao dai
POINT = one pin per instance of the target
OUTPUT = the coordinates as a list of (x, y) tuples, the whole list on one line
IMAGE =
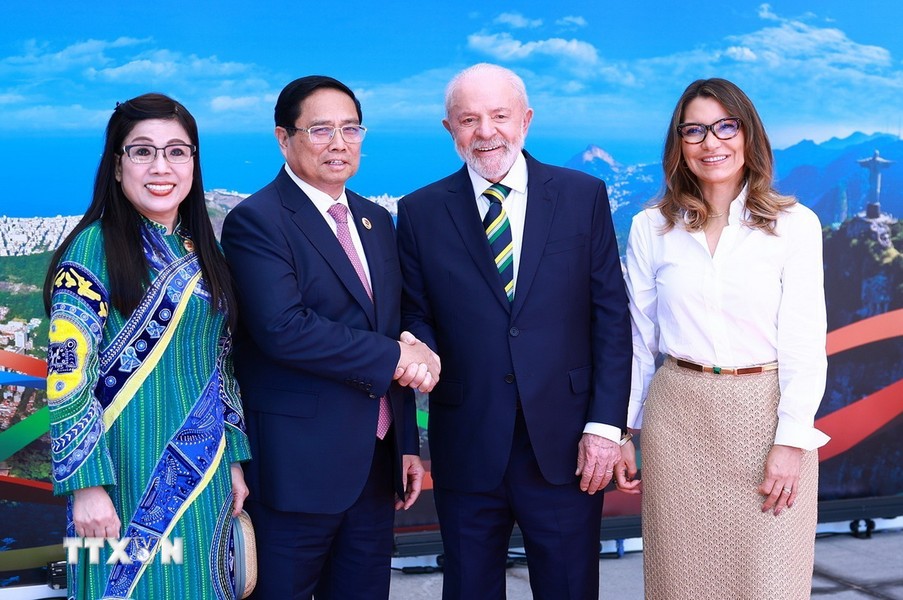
[(146, 422)]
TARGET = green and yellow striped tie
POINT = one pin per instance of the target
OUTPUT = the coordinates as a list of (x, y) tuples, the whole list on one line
[(498, 232)]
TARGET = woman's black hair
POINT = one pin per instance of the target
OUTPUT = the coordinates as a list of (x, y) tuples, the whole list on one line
[(120, 222)]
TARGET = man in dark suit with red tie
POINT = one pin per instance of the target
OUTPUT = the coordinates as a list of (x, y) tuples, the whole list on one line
[(334, 440), (512, 275)]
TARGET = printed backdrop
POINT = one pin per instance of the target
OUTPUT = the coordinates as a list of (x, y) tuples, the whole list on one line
[(602, 77)]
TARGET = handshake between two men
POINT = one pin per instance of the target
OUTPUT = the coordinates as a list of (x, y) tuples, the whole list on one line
[(418, 366)]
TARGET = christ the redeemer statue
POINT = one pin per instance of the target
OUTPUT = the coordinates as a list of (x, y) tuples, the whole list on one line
[(874, 164)]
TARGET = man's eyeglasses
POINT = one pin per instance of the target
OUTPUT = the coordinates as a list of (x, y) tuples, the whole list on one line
[(323, 134), (723, 129), (143, 154)]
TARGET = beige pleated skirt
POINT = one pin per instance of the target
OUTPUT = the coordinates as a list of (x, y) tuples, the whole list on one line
[(704, 442)]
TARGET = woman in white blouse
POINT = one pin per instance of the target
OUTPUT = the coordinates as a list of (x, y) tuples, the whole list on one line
[(726, 291)]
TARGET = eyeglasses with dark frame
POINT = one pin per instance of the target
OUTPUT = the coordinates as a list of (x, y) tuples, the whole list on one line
[(144, 154), (723, 129), (323, 134)]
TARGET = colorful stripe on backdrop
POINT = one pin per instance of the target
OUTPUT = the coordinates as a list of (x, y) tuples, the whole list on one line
[(854, 422), (32, 373), (867, 415)]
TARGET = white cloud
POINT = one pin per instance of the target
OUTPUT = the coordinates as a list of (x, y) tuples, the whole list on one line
[(741, 54), (517, 21), (503, 46), (11, 98), (231, 103), (136, 70), (804, 74), (573, 87), (46, 117), (419, 98), (82, 80), (571, 21), (800, 75), (812, 48), (799, 66), (765, 12), (169, 65), (787, 56), (598, 116), (38, 57), (573, 56)]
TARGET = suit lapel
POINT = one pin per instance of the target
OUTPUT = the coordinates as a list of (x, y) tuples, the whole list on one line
[(371, 239), (542, 197), (462, 207), (312, 224)]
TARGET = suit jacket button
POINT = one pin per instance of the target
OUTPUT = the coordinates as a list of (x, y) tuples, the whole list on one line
[(373, 396), (509, 378), (514, 331)]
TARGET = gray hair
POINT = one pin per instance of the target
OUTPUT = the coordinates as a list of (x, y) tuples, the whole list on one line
[(501, 72)]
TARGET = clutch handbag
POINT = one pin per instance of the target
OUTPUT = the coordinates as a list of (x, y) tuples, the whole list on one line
[(245, 546)]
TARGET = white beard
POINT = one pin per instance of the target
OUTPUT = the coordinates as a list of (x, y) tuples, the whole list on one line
[(491, 168)]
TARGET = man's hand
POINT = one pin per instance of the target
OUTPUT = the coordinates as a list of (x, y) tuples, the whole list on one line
[(596, 460), (412, 472), (93, 513), (239, 488), (418, 366)]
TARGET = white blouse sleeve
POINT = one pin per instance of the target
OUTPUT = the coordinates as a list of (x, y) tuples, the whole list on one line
[(640, 279), (801, 332)]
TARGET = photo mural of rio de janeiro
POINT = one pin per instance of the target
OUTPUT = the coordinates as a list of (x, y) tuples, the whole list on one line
[(602, 82)]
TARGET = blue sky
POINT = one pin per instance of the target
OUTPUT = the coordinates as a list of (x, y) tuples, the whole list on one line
[(598, 72)]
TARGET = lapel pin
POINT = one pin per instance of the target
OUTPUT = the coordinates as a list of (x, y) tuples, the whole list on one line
[(367, 223)]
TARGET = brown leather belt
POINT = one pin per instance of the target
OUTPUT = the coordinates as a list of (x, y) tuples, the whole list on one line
[(686, 364)]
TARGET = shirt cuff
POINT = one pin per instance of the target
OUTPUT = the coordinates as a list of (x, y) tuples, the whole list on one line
[(609, 432), (635, 409), (799, 436)]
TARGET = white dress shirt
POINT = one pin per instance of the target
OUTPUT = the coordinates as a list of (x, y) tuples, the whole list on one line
[(515, 206), (758, 299), (323, 201)]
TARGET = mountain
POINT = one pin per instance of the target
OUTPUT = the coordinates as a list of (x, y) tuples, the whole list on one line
[(820, 155), (825, 177), (630, 188), (854, 139)]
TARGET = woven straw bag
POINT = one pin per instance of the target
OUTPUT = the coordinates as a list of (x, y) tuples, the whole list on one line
[(245, 555)]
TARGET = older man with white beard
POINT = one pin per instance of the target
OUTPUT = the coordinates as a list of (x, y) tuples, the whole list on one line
[(512, 275)]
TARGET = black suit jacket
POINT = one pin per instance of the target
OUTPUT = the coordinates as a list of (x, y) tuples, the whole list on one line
[(313, 354), (562, 349)]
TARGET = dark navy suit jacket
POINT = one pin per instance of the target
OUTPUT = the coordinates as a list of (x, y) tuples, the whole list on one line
[(313, 354), (562, 349)]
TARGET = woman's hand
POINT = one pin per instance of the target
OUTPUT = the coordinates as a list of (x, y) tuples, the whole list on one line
[(239, 488), (782, 476), (93, 513), (625, 470)]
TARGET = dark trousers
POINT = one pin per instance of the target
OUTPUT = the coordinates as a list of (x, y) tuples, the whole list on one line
[(560, 525), (343, 556)]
